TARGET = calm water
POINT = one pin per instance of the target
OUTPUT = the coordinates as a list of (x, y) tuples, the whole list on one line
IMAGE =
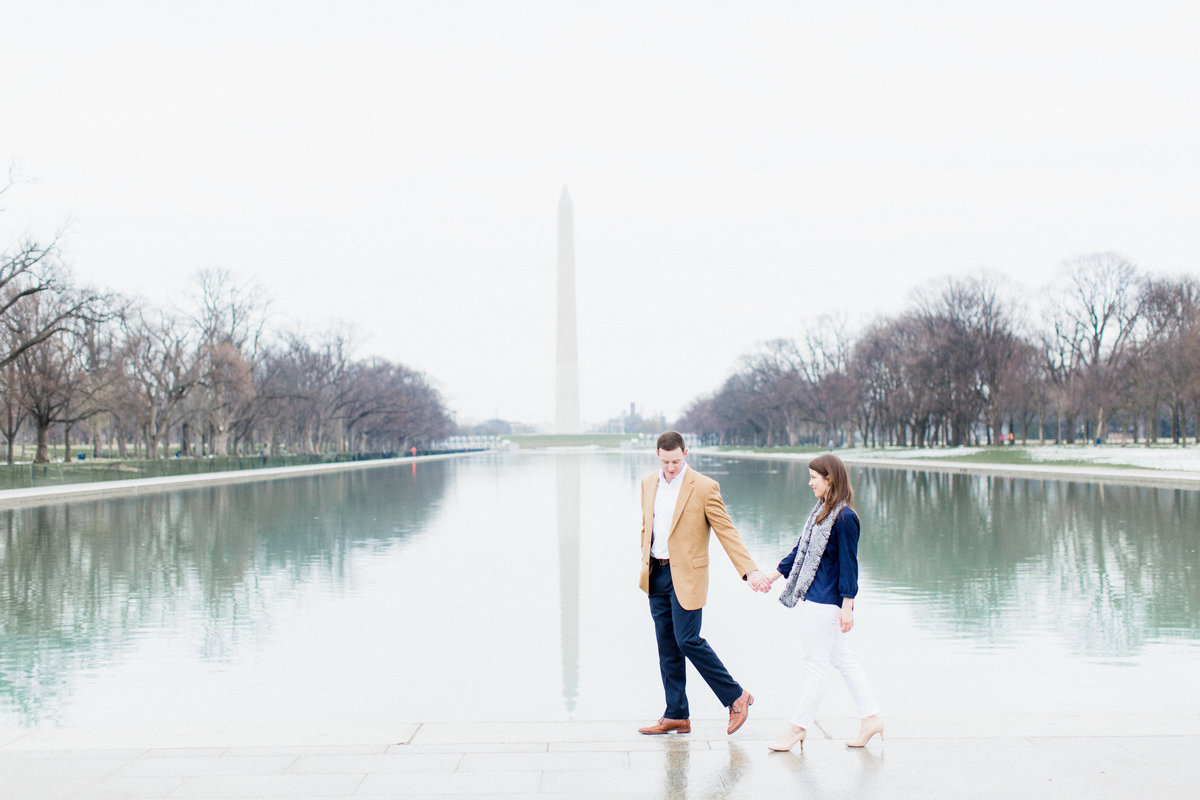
[(504, 587)]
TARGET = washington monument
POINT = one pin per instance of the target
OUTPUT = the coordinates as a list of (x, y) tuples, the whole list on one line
[(567, 419)]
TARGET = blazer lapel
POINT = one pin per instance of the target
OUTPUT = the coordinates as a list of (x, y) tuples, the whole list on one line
[(685, 491), (648, 491)]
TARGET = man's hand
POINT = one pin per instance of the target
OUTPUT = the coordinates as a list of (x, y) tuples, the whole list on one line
[(758, 581)]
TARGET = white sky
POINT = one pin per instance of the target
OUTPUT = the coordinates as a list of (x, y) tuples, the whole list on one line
[(737, 169)]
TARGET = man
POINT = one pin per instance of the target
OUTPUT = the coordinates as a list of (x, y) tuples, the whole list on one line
[(679, 507)]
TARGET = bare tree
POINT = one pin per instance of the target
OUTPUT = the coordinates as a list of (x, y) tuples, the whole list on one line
[(772, 378), (310, 387), (230, 323), (29, 273), (363, 402), (829, 391), (413, 415), (1095, 324), (878, 377), (969, 330), (1169, 355), (49, 373), (14, 413), (162, 370), (63, 380), (99, 351)]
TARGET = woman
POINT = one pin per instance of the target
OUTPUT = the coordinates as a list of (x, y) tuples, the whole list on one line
[(822, 571)]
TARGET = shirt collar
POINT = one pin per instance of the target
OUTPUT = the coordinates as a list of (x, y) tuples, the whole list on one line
[(662, 479)]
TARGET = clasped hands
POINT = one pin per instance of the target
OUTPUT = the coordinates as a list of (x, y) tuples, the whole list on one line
[(760, 581)]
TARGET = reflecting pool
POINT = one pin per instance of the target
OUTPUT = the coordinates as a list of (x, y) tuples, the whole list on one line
[(504, 586)]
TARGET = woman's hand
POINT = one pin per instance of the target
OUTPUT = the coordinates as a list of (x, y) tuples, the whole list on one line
[(846, 619)]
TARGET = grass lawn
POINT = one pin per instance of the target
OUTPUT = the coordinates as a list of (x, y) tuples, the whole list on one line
[(1019, 455)]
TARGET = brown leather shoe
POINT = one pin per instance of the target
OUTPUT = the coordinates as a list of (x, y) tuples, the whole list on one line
[(665, 725), (739, 711)]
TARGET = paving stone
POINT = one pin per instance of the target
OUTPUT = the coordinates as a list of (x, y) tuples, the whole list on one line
[(264, 786), (385, 763), (429, 784), (473, 747), (142, 788), (543, 762), (189, 766)]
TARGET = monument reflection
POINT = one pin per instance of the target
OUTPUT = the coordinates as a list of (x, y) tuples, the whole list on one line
[(567, 501)]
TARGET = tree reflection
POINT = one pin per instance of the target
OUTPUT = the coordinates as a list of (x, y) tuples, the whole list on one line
[(80, 582), (1106, 568)]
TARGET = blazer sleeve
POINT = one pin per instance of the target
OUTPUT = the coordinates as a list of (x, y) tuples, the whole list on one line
[(727, 535)]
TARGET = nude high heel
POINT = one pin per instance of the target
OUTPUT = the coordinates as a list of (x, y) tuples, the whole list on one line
[(865, 733), (787, 740)]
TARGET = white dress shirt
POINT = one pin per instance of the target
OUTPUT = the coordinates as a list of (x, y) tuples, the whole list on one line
[(665, 498)]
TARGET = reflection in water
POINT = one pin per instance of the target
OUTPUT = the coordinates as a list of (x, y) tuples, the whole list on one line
[(1105, 567), (675, 773), (834, 771), (678, 773), (733, 773), (80, 582), (384, 595), (567, 478)]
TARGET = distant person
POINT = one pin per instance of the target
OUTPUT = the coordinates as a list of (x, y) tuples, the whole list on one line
[(679, 507), (822, 578)]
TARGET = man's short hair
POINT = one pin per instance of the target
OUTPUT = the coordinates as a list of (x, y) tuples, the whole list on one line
[(671, 440)]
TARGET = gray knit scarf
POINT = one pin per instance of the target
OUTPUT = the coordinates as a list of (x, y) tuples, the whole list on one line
[(808, 554)]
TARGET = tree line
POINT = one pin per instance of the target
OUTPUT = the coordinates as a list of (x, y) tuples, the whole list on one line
[(124, 376), (1106, 352)]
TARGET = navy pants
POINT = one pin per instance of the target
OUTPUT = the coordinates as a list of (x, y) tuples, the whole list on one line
[(678, 633)]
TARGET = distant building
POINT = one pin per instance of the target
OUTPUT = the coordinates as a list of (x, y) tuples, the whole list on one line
[(633, 422)]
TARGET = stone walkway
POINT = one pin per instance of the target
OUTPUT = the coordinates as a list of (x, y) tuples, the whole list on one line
[(1069, 757)]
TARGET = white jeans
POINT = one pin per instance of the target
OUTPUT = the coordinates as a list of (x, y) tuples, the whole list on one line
[(826, 646)]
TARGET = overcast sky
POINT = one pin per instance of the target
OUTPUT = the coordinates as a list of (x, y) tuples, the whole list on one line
[(737, 169)]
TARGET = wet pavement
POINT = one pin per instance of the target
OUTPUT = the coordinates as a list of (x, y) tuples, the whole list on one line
[(1028, 757)]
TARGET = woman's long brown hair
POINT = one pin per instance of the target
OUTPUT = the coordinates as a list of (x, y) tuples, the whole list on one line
[(831, 468)]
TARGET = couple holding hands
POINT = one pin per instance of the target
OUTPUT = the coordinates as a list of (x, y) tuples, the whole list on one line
[(679, 508)]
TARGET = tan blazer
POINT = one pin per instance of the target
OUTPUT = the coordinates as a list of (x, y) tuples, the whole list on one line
[(699, 509)]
